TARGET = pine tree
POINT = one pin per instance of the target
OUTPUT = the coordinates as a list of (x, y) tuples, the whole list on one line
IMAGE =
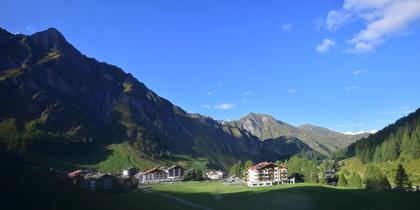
[(406, 143), (233, 170), (355, 180), (342, 181), (416, 146), (378, 154), (239, 169), (247, 164), (401, 178)]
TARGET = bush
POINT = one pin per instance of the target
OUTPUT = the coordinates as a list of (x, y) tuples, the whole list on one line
[(375, 179)]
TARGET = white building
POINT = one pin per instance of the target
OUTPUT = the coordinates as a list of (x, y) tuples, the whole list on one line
[(215, 174), (267, 174), (160, 174)]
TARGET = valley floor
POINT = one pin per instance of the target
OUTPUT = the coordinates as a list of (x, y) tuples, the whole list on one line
[(222, 196)]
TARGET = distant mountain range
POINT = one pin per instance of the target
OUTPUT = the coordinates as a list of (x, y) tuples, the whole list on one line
[(320, 139), (51, 93)]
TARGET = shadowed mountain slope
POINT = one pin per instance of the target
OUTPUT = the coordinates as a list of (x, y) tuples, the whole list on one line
[(57, 100)]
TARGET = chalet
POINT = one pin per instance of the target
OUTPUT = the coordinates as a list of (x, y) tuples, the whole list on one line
[(98, 182), (154, 175), (215, 174), (93, 181), (175, 173), (267, 174)]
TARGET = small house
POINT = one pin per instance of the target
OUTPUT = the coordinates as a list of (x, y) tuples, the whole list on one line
[(215, 174)]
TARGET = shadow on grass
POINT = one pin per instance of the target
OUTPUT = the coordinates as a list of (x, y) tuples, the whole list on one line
[(302, 197)]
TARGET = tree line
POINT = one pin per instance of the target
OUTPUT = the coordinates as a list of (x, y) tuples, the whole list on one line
[(399, 139), (311, 171)]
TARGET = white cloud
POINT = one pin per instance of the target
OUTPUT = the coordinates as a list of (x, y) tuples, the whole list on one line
[(358, 72), (325, 46), (336, 19), (287, 27), (360, 132), (246, 93), (384, 19), (351, 87), (291, 90), (223, 106)]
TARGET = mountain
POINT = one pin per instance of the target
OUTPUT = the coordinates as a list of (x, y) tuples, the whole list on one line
[(55, 100), (320, 139)]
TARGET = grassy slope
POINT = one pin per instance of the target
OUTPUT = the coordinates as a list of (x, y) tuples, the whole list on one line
[(115, 158), (411, 166)]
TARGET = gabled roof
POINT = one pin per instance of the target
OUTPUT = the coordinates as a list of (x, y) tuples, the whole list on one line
[(172, 167), (282, 165), (262, 165), (75, 173), (154, 169)]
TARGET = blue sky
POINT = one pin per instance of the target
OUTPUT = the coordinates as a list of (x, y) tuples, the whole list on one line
[(348, 65)]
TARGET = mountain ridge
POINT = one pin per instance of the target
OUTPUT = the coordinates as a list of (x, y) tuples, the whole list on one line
[(58, 94), (321, 139)]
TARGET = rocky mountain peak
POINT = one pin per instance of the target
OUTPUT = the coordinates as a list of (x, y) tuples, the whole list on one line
[(52, 39)]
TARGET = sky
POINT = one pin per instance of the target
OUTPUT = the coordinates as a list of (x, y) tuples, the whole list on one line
[(347, 65)]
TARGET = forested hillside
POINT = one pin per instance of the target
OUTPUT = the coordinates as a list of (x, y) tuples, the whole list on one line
[(399, 139), (397, 145)]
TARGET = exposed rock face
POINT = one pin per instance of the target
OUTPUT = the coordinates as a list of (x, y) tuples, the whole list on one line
[(321, 139), (47, 84)]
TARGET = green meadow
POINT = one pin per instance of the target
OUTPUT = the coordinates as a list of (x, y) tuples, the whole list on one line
[(184, 196)]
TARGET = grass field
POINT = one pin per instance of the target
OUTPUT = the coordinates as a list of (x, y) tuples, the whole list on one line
[(298, 196)]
